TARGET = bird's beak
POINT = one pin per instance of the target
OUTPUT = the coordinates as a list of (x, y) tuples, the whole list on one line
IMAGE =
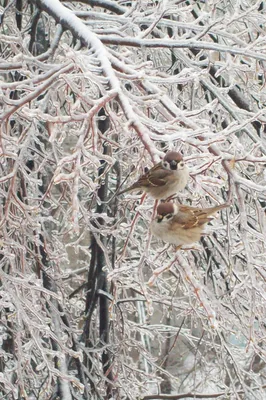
[(173, 164), (159, 218)]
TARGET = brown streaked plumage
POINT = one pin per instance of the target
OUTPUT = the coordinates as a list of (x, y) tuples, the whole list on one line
[(179, 225), (163, 180)]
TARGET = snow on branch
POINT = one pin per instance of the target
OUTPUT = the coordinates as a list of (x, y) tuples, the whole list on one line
[(174, 44), (69, 21)]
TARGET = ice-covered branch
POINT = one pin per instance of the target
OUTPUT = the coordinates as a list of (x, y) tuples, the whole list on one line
[(69, 21), (183, 44)]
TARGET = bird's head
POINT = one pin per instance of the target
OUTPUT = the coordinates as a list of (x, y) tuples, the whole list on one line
[(166, 211), (173, 161)]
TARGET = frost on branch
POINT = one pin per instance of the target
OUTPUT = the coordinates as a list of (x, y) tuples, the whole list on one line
[(93, 93)]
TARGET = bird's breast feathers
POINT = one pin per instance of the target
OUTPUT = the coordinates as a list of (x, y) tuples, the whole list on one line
[(175, 233)]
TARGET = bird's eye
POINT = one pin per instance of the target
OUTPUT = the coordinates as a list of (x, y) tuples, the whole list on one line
[(181, 164), (168, 216), (165, 165)]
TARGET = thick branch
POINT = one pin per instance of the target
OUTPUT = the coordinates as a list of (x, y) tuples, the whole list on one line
[(107, 4), (185, 44)]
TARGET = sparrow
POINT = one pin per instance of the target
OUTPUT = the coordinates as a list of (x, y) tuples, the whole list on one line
[(163, 180), (179, 225)]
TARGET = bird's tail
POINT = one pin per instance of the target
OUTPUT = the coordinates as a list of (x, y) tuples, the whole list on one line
[(213, 210), (129, 189)]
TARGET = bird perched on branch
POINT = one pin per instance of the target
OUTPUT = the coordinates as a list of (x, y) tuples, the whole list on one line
[(163, 180), (181, 225)]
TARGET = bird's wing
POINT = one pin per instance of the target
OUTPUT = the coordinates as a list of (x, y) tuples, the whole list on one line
[(155, 177), (190, 217)]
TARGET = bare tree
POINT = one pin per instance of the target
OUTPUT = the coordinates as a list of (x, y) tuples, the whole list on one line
[(93, 93)]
